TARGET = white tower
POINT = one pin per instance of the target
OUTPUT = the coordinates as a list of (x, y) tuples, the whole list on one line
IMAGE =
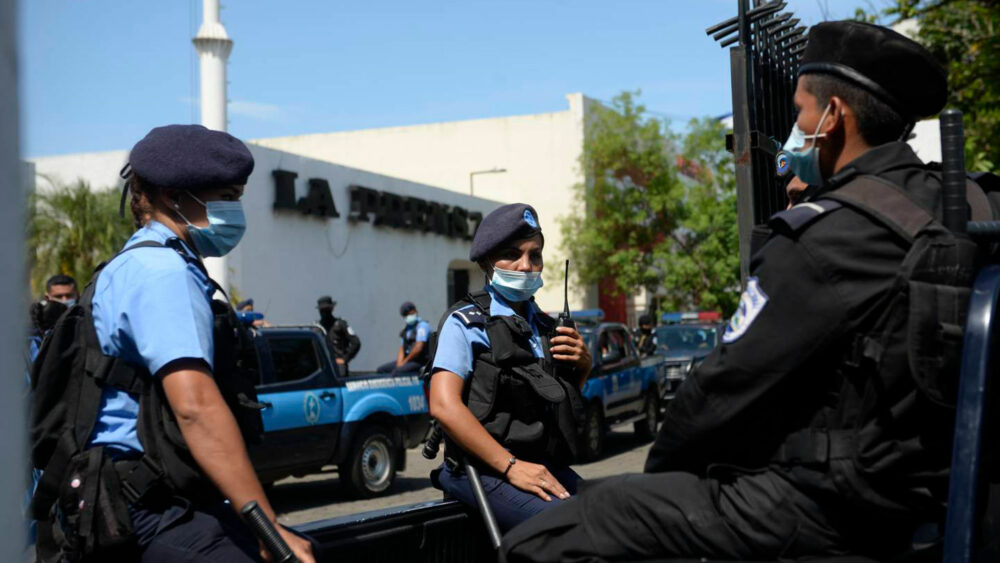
[(213, 46)]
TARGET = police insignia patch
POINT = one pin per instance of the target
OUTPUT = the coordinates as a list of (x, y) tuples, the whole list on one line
[(530, 219), (752, 302)]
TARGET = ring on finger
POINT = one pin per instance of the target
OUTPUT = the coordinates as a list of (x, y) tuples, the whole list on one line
[(543, 482)]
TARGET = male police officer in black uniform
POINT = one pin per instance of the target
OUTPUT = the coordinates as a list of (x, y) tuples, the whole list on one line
[(804, 433), (644, 337), (344, 341)]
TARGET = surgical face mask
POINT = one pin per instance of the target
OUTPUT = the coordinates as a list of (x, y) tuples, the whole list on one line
[(411, 319), (226, 225), (805, 163), (69, 302), (515, 286)]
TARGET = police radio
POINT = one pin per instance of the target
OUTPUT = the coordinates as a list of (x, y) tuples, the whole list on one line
[(564, 318), (562, 368)]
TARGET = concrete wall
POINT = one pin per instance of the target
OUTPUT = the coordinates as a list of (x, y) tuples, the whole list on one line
[(539, 152)]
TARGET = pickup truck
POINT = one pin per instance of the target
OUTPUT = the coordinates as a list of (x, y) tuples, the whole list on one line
[(622, 387), (684, 347), (314, 417)]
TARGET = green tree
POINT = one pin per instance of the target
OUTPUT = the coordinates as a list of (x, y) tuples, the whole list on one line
[(964, 35), (72, 229), (639, 222)]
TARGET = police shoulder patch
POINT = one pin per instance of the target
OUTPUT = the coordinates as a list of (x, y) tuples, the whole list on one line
[(803, 214), (470, 315), (752, 302)]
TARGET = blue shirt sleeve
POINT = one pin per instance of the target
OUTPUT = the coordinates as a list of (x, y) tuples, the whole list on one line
[(423, 331), (454, 350), (172, 318)]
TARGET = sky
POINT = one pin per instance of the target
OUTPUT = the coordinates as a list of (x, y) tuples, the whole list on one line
[(96, 75)]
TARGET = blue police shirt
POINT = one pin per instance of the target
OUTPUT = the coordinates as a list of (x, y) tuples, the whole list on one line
[(421, 328), (151, 307), (456, 340)]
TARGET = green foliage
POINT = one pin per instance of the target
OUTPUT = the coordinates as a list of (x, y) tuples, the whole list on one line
[(640, 223), (964, 35), (72, 229)]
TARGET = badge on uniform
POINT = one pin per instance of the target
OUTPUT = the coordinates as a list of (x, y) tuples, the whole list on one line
[(530, 219), (752, 302)]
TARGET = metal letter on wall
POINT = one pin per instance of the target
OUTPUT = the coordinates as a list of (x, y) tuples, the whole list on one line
[(319, 200), (284, 189)]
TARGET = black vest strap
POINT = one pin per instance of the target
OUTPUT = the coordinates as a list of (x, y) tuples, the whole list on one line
[(884, 202)]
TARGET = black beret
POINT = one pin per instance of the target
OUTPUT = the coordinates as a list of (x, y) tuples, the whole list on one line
[(892, 67), (189, 157), (325, 302), (508, 222), (406, 307)]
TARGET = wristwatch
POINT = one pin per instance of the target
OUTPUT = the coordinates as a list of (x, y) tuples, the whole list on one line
[(510, 463)]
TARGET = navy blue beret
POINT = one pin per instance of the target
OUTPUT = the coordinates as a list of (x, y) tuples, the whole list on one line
[(244, 303), (506, 223), (406, 307), (189, 157)]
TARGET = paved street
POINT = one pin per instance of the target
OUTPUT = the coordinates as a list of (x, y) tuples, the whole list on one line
[(319, 496)]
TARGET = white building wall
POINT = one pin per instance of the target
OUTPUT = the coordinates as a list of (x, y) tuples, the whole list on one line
[(287, 260), (99, 169), (539, 152)]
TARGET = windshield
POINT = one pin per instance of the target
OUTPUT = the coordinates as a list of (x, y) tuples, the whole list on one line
[(681, 337)]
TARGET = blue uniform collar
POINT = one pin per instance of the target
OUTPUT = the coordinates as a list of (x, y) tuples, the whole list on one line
[(500, 307), (156, 231)]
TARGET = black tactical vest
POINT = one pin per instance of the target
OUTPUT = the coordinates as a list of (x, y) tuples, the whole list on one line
[(82, 500), (885, 436), (516, 396)]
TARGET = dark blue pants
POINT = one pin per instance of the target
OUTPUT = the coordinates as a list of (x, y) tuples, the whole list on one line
[(510, 505), (203, 534)]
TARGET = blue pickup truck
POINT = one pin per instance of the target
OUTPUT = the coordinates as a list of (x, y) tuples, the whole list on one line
[(622, 388), (314, 417)]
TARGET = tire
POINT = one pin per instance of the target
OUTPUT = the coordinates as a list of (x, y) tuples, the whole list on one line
[(645, 429), (593, 433), (371, 467)]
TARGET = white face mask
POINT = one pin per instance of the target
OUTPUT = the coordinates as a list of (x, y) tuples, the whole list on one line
[(411, 319), (515, 286)]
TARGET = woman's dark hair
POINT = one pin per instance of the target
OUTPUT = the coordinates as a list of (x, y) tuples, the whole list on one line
[(878, 123), (143, 194)]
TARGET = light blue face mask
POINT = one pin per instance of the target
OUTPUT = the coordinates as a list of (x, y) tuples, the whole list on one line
[(805, 163), (226, 225), (515, 286), (411, 319)]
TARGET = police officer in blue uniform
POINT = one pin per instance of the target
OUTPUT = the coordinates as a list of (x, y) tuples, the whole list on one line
[(413, 350), (493, 386), (152, 308)]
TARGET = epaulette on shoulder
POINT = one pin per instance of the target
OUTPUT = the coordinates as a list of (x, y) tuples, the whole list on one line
[(802, 215), (470, 315)]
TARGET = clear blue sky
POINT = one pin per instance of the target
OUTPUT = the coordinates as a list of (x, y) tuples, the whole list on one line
[(98, 74)]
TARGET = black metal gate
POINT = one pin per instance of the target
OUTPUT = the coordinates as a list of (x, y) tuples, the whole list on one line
[(764, 62)]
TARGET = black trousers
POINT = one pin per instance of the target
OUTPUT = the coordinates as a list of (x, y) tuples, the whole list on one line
[(758, 516), (202, 534)]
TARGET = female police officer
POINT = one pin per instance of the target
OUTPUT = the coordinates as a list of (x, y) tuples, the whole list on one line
[(152, 308), (493, 388)]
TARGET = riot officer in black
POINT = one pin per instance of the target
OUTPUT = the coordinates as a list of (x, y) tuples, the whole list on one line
[(644, 337), (808, 431), (343, 340)]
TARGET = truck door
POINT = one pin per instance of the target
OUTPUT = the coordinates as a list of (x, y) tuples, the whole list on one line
[(304, 401)]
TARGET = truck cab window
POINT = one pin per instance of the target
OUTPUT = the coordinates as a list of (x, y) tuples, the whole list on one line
[(294, 358)]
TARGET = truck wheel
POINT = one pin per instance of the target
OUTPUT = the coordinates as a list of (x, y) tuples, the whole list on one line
[(645, 429), (593, 433), (372, 465)]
